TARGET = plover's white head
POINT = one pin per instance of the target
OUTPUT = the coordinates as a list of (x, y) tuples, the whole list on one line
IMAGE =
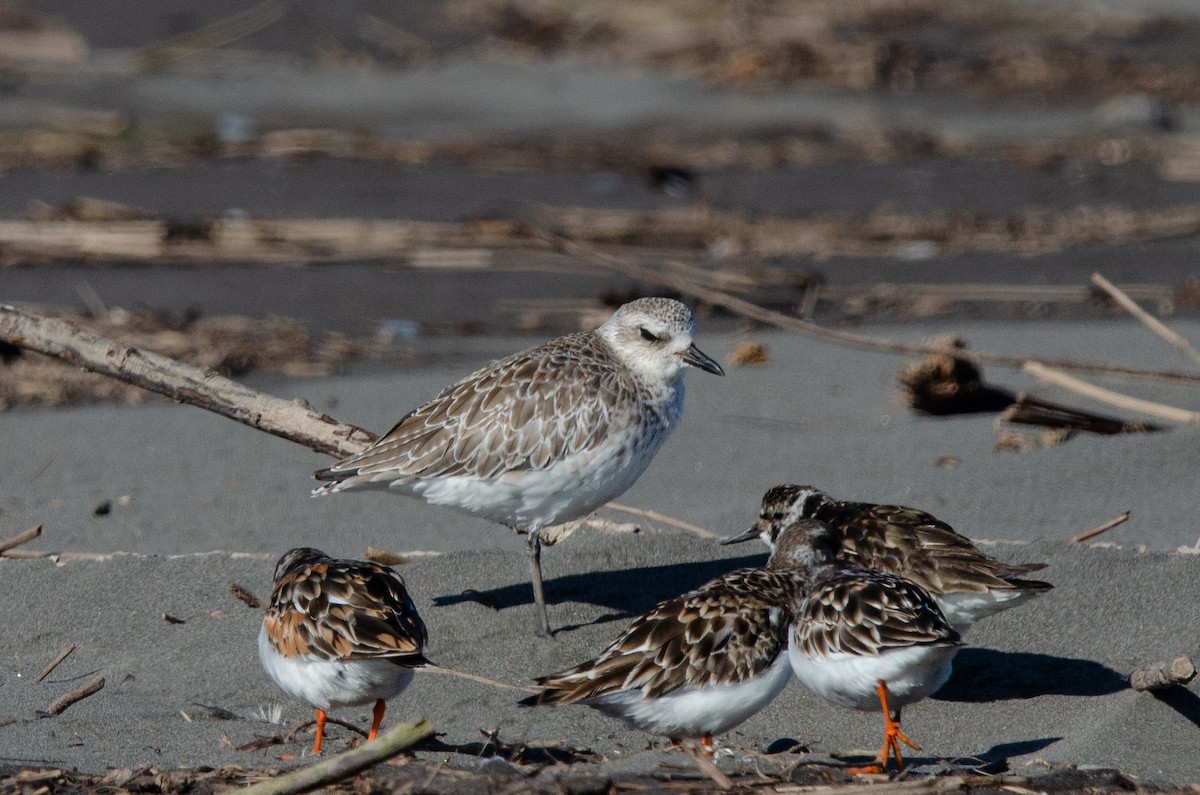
[(781, 506), (653, 336)]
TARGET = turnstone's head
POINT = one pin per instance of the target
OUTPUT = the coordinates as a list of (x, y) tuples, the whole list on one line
[(295, 559), (805, 545), (781, 506), (653, 336)]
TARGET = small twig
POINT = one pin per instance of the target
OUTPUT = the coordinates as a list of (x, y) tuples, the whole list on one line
[(1103, 395), (1154, 324), (89, 688), (347, 763), (170, 619), (706, 765), (655, 516), (245, 596), (20, 538), (62, 655), (1100, 528), (483, 680), (1163, 675)]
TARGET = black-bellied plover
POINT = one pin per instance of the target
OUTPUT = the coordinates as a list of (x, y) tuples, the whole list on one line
[(967, 584), (862, 638), (546, 435), (340, 633)]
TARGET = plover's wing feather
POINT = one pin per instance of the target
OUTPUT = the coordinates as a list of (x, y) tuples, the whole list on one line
[(345, 610), (727, 631), (929, 551), (864, 612), (521, 413)]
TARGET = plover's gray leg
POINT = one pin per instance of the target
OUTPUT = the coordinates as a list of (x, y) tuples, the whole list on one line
[(535, 578)]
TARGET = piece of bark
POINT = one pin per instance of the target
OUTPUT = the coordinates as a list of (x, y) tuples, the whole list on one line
[(1163, 675), (1027, 410)]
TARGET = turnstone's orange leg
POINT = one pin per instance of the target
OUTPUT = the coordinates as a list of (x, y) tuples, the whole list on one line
[(892, 737), (380, 706), (706, 745), (316, 749)]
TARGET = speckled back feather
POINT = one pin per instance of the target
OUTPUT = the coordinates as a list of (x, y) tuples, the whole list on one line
[(729, 630), (329, 609), (858, 611)]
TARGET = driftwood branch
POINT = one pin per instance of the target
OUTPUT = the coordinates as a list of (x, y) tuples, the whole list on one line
[(1163, 675), (1039, 370), (673, 278), (88, 688), (19, 538), (203, 387), (347, 763), (1154, 324)]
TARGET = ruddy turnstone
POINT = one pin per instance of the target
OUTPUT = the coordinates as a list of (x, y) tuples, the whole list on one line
[(546, 435), (862, 638), (340, 633), (967, 584), (696, 665)]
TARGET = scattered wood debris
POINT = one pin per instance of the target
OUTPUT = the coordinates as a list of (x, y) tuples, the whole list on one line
[(749, 352), (7, 545), (942, 383), (170, 619), (249, 599), (1163, 675), (1026, 410)]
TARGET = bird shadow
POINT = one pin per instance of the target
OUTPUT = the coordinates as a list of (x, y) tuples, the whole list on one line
[(983, 675), (1183, 701), (624, 592)]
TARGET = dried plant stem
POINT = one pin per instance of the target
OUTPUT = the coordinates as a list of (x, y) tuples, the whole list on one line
[(1153, 323), (347, 763), (1100, 528), (655, 516), (1148, 407), (483, 680)]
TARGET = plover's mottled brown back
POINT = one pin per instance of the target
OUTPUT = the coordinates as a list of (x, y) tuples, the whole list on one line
[(967, 584), (546, 435), (340, 633)]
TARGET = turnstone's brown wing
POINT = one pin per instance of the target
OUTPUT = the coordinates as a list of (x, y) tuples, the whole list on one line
[(864, 612), (524, 412), (927, 550), (727, 631), (345, 610)]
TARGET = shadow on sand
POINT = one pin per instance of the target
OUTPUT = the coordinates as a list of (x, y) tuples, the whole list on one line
[(626, 592)]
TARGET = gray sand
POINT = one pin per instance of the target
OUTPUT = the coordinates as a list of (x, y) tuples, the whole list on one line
[(1044, 682)]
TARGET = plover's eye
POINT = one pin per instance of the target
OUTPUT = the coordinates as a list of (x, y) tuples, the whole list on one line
[(647, 336)]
